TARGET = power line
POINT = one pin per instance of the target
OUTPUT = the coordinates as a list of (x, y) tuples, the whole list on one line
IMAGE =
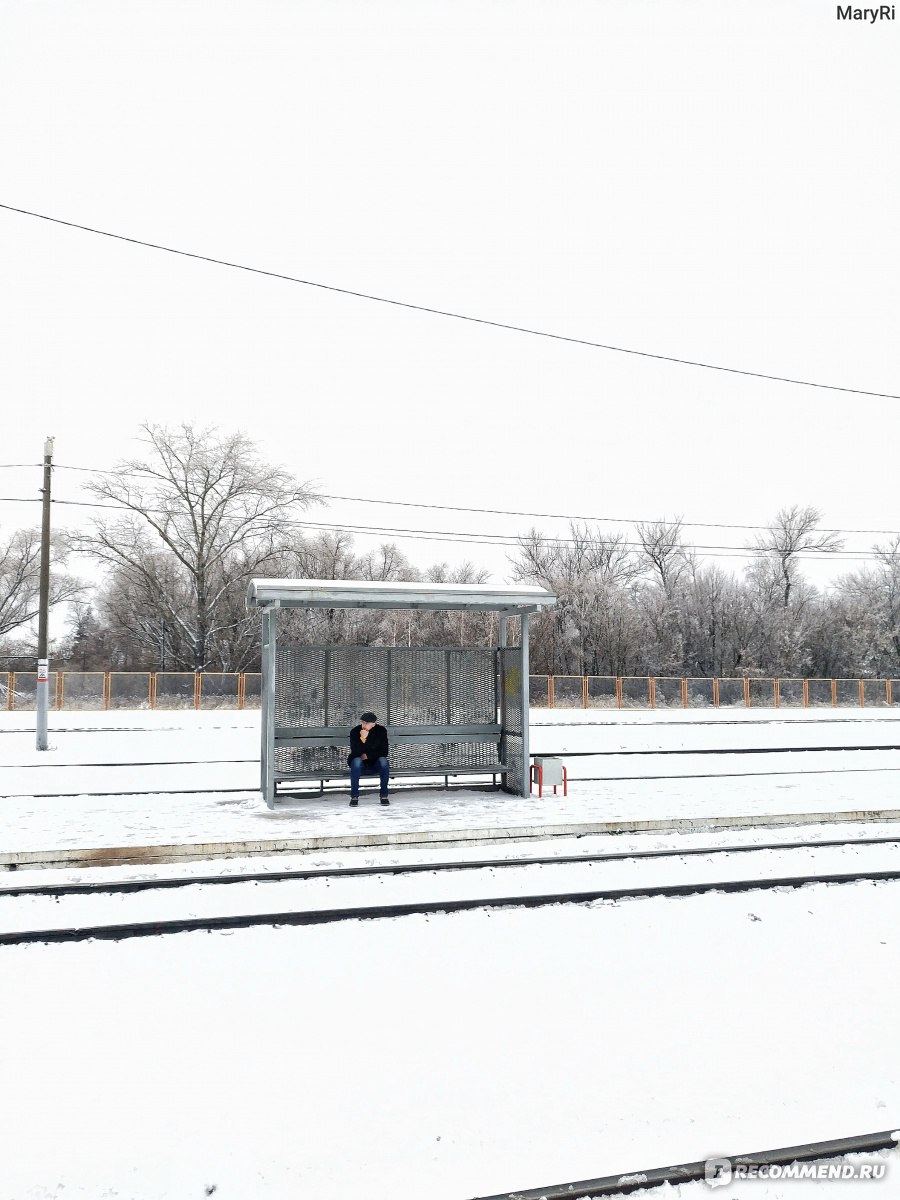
[(12, 466), (507, 541), (504, 539), (514, 539), (512, 542), (94, 504), (510, 512), (439, 312)]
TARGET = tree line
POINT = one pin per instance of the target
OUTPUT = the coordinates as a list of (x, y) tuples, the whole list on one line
[(182, 528)]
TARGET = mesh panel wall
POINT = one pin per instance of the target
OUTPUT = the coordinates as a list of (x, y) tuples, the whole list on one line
[(427, 687), (307, 760), (473, 687), (299, 686), (418, 687), (357, 680)]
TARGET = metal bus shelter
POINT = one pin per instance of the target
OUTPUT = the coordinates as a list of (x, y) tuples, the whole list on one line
[(460, 710)]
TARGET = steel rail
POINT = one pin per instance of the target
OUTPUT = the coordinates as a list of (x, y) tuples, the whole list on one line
[(747, 723), (329, 916), (155, 762), (473, 782), (705, 750), (205, 791), (134, 728), (202, 762), (699, 775), (620, 1185), (123, 886)]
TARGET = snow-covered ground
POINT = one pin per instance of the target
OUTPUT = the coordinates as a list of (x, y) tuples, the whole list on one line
[(449, 1056), (151, 778)]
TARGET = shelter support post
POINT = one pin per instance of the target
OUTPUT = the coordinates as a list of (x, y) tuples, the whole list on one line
[(525, 667), (501, 682), (267, 715)]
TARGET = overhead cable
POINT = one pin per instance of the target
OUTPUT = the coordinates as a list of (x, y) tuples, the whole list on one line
[(510, 512), (440, 312), (751, 552), (514, 539), (501, 539)]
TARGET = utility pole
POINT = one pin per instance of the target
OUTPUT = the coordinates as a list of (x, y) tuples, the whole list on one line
[(43, 666)]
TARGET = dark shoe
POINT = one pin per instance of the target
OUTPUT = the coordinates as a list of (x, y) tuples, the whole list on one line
[(354, 801), (384, 800)]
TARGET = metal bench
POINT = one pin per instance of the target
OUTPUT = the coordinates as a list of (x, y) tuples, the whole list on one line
[(449, 750)]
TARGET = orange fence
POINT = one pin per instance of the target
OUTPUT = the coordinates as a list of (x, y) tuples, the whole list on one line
[(241, 689), (622, 691), (133, 689)]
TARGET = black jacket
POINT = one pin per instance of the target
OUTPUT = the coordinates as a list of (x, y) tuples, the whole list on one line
[(374, 747)]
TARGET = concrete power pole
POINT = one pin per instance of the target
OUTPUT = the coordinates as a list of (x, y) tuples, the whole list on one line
[(43, 666)]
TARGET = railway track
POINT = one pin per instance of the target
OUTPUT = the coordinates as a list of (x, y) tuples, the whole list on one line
[(253, 789), (131, 886), (737, 750), (328, 916), (569, 754)]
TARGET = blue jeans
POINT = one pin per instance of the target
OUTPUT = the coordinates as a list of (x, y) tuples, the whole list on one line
[(359, 766)]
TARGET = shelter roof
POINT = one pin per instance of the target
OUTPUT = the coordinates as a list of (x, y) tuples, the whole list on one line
[(360, 593)]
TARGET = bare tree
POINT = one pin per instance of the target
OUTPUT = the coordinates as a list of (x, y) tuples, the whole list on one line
[(88, 644), (664, 553), (869, 604), (201, 514), (20, 564), (793, 532), (587, 570), (443, 628)]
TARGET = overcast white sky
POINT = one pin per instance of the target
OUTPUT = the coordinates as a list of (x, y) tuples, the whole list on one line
[(710, 180)]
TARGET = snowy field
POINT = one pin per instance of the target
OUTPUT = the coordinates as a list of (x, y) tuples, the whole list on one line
[(454, 1055), (449, 1057), (150, 778)]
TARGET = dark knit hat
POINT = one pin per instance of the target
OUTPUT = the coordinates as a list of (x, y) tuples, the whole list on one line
[(368, 716)]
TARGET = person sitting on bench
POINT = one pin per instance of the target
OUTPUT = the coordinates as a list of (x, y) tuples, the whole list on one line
[(368, 754)]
